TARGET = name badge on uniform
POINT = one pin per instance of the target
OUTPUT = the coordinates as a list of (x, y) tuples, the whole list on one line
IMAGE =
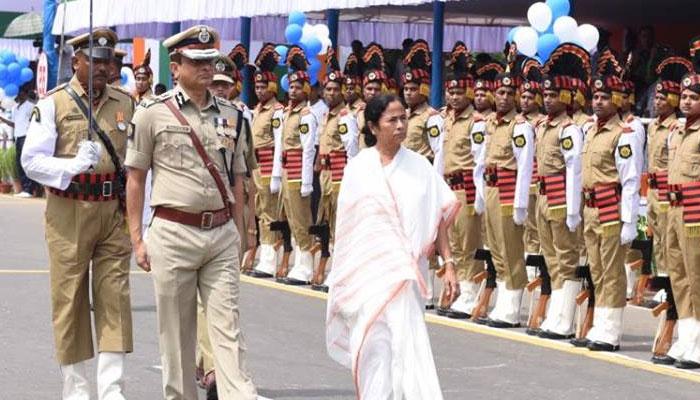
[(225, 133), (121, 124)]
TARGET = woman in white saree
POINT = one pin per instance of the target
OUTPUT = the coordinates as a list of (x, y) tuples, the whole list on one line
[(392, 210)]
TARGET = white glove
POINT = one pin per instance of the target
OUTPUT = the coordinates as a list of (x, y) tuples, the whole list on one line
[(479, 205), (89, 153), (306, 190), (519, 215), (628, 233), (275, 184), (573, 221)]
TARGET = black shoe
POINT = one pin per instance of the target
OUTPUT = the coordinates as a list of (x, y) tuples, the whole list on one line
[(533, 331), (502, 324), (430, 306), (319, 288), (663, 360), (483, 320), (685, 364), (211, 392), (442, 311), (281, 279), (553, 335), (580, 342), (258, 274), (454, 314), (294, 282), (602, 346)]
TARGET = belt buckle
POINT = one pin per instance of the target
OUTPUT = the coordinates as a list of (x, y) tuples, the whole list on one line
[(207, 220), (107, 189), (588, 196), (672, 196)]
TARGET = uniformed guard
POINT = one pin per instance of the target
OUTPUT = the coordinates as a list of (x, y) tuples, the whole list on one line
[(465, 235), (485, 77), (579, 105), (239, 56), (222, 84), (374, 81), (267, 118), (352, 85), (683, 240), (559, 143), (189, 138), (85, 224), (293, 166), (143, 75), (505, 158), (611, 192)]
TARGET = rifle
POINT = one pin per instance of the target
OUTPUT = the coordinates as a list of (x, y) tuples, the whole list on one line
[(249, 256), (488, 280), (545, 282), (286, 232), (323, 232), (585, 319), (664, 332), (646, 247)]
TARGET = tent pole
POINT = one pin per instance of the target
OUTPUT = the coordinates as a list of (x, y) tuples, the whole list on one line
[(333, 17), (245, 41), (438, 38), (48, 43)]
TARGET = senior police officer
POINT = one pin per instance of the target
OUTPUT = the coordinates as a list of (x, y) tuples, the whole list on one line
[(84, 220), (188, 138)]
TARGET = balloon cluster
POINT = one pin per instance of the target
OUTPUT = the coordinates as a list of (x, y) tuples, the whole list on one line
[(313, 39), (551, 25), (14, 72)]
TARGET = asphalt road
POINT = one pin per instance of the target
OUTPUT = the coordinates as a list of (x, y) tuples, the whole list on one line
[(284, 330)]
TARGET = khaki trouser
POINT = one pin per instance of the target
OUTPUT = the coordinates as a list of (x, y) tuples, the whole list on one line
[(205, 358), (606, 257), (78, 232), (186, 259), (559, 245), (465, 238), (266, 208), (329, 201), (582, 254), (683, 259), (531, 237), (505, 240), (656, 217), (298, 210)]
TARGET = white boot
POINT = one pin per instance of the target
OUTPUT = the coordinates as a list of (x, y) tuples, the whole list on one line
[(267, 262), (75, 383), (467, 299), (551, 319), (110, 376), (692, 353), (564, 324), (303, 269), (508, 304), (595, 333), (607, 325), (681, 345)]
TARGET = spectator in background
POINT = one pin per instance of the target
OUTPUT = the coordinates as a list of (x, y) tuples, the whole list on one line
[(19, 121), (160, 89), (642, 53)]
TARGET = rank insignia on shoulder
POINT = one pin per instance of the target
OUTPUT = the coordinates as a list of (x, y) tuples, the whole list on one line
[(180, 99), (343, 128), (36, 115), (304, 128), (434, 131), (519, 141), (567, 143), (625, 151), (276, 123), (478, 137)]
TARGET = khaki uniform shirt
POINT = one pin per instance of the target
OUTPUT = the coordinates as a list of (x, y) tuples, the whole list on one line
[(684, 153), (160, 142), (657, 142), (420, 131), (457, 142), (266, 117)]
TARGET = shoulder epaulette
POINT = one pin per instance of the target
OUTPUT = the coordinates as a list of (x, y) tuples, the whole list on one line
[(279, 106), (519, 119), (567, 124), (121, 90), (305, 111), (57, 89), (626, 128), (157, 99), (344, 111), (478, 117), (539, 122), (629, 118), (432, 111), (224, 102)]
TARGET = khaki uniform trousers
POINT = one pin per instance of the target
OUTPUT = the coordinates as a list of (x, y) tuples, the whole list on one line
[(683, 265), (185, 260), (298, 210), (505, 240), (606, 257), (656, 217), (77, 233), (266, 208), (465, 238), (559, 245), (329, 201), (532, 239)]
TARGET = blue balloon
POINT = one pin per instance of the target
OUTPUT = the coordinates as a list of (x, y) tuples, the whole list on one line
[(284, 83), (546, 45), (3, 72), (314, 66), (293, 33), (23, 62), (26, 75), (312, 47), (282, 51), (313, 79), (559, 8), (511, 34), (9, 57), (297, 17), (13, 71), (11, 90)]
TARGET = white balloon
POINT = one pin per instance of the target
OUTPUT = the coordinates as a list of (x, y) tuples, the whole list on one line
[(325, 45), (526, 40), (540, 16), (321, 31), (307, 32), (566, 29), (2, 93), (588, 36)]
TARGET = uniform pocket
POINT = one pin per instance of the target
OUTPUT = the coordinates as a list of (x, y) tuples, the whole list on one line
[(177, 147), (690, 165)]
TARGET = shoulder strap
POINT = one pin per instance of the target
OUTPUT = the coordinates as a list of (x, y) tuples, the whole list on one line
[(211, 167)]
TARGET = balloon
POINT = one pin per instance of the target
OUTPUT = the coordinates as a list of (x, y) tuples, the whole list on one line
[(540, 16), (297, 18), (123, 78), (13, 71), (511, 33), (314, 80), (284, 83), (325, 45), (307, 33), (26, 75), (314, 66), (546, 45), (588, 36), (3, 72), (321, 31), (9, 57), (23, 62), (526, 40), (313, 47), (566, 29), (560, 8), (282, 51), (293, 33), (11, 90), (2, 93)]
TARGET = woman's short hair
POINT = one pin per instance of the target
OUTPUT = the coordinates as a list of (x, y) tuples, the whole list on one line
[(373, 112)]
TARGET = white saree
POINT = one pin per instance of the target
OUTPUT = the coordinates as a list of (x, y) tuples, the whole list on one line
[(387, 224)]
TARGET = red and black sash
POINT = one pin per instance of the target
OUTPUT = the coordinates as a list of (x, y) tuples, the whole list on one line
[(335, 161), (292, 162), (463, 180), (554, 188), (265, 158), (606, 198), (659, 181), (90, 187), (504, 180)]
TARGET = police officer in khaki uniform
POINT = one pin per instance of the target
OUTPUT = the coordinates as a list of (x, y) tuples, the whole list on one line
[(682, 240), (84, 221), (611, 191), (465, 235), (143, 76), (352, 85), (374, 81), (293, 166), (486, 73), (193, 244), (505, 158)]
